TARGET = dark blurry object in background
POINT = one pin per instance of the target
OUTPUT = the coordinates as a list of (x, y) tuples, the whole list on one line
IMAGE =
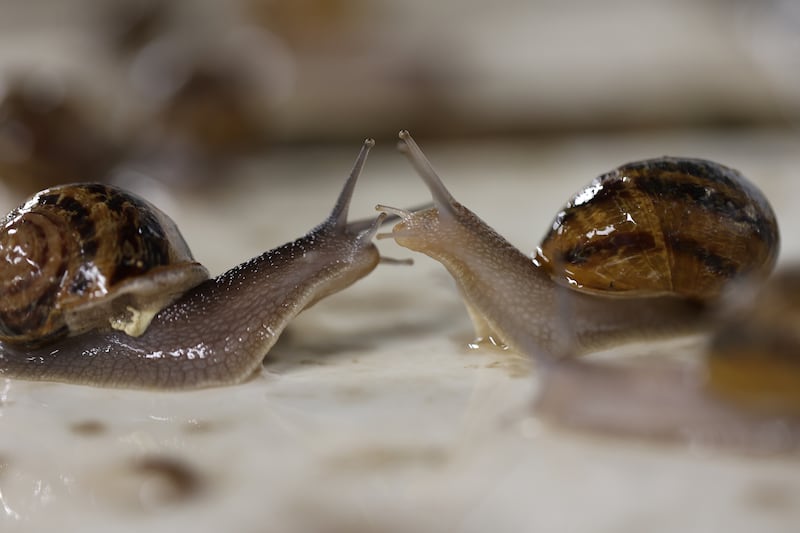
[(200, 87), (201, 127), (210, 110), (204, 83), (205, 103), (131, 25), (311, 24), (359, 69), (46, 137)]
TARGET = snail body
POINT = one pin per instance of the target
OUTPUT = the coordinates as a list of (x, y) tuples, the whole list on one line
[(515, 299), (741, 394), (218, 331)]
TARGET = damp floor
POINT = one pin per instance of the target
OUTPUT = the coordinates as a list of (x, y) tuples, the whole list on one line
[(372, 413)]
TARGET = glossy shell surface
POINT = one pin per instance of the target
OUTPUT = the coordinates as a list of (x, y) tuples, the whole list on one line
[(662, 226), (79, 257)]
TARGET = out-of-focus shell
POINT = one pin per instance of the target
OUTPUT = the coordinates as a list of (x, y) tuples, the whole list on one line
[(754, 355)]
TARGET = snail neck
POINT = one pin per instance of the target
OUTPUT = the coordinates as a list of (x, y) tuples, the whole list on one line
[(508, 297), (294, 275), (516, 302), (243, 311)]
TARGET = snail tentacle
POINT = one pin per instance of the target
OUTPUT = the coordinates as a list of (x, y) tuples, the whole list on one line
[(442, 198)]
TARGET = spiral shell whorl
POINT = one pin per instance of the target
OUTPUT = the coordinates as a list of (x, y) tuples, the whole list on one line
[(32, 260), (75, 247)]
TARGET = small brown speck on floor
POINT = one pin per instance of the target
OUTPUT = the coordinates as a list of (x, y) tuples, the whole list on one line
[(167, 480), (88, 428), (312, 362)]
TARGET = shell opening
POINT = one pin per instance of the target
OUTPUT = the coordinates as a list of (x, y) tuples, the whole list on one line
[(441, 196), (338, 216)]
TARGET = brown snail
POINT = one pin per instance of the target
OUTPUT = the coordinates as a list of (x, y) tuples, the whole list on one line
[(744, 392), (514, 299), (209, 331)]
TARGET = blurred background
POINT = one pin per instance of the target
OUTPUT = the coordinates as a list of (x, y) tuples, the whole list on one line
[(179, 91)]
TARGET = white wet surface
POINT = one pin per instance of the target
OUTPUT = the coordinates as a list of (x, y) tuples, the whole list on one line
[(371, 414)]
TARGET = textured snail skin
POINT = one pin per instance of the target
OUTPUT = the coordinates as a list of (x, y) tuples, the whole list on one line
[(512, 299), (219, 332)]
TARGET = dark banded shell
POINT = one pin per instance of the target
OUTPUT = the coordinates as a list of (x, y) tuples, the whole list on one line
[(86, 256), (662, 226)]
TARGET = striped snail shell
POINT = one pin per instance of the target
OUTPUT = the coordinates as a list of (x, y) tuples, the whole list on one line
[(662, 226), (88, 256), (663, 235)]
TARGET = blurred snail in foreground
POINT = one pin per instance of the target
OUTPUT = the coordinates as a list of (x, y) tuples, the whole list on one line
[(657, 236), (743, 393), (67, 292), (753, 359)]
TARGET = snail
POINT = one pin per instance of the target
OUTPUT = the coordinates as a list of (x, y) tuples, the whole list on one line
[(620, 218), (209, 332), (741, 393)]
